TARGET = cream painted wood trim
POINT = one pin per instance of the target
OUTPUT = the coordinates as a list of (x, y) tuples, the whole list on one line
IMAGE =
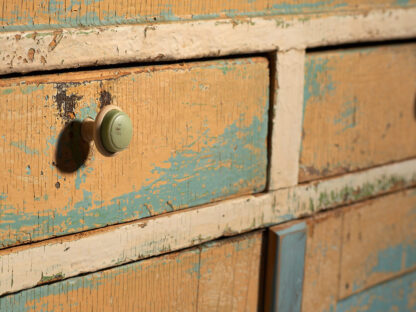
[(69, 48), (287, 119), (26, 266)]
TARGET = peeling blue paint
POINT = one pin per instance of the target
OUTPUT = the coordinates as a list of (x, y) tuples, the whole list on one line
[(22, 146), (62, 16), (395, 295), (231, 162), (389, 260), (348, 117), (316, 67)]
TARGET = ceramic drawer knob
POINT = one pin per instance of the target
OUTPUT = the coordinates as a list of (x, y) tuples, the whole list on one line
[(111, 130)]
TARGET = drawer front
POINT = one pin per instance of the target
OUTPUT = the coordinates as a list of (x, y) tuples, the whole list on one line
[(219, 276), (359, 109), (37, 14), (199, 135), (363, 257)]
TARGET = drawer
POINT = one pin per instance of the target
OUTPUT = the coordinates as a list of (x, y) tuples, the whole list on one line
[(199, 135), (33, 15), (359, 109), (363, 257), (218, 276), (356, 258)]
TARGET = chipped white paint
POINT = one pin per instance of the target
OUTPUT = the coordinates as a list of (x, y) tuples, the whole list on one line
[(25, 266), (29, 51), (287, 121)]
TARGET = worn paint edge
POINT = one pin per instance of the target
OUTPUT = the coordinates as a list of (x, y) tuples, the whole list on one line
[(26, 51), (26, 266), (287, 119), (285, 267)]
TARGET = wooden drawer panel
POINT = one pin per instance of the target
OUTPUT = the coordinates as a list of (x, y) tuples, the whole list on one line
[(199, 135), (219, 276), (39, 14), (359, 109), (353, 251)]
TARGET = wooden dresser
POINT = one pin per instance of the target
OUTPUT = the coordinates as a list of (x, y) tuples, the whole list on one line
[(272, 164)]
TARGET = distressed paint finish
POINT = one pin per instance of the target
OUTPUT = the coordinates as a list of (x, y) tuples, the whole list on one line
[(102, 248), (323, 247), (358, 109), (230, 274), (287, 118), (186, 40), (378, 241), (285, 267), (167, 283), (395, 295), (179, 281), (47, 14), (199, 136)]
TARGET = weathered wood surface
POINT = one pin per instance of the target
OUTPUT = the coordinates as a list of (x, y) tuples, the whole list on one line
[(199, 135), (46, 14), (179, 40), (285, 267), (378, 242), (230, 274), (102, 248), (359, 109), (219, 276), (351, 252), (395, 295), (323, 247)]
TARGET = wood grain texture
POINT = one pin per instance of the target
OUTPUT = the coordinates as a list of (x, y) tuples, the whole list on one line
[(219, 276), (285, 267), (44, 14), (230, 274), (359, 109), (323, 250), (167, 283), (179, 40), (379, 241), (199, 135), (119, 244)]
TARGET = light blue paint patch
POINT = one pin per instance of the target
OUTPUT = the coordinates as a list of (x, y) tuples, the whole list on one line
[(389, 260), (228, 163), (410, 254), (81, 176), (289, 8), (7, 91), (316, 68), (402, 2), (28, 170), (30, 88), (195, 269), (224, 66), (3, 196), (50, 142), (22, 146), (348, 117), (394, 295), (88, 111)]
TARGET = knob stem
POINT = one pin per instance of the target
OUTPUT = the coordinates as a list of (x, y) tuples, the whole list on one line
[(87, 129)]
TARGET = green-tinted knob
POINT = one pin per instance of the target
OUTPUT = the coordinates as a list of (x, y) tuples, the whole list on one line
[(116, 131)]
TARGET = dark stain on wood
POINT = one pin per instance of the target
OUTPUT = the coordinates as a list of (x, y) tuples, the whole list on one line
[(105, 98), (66, 103)]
